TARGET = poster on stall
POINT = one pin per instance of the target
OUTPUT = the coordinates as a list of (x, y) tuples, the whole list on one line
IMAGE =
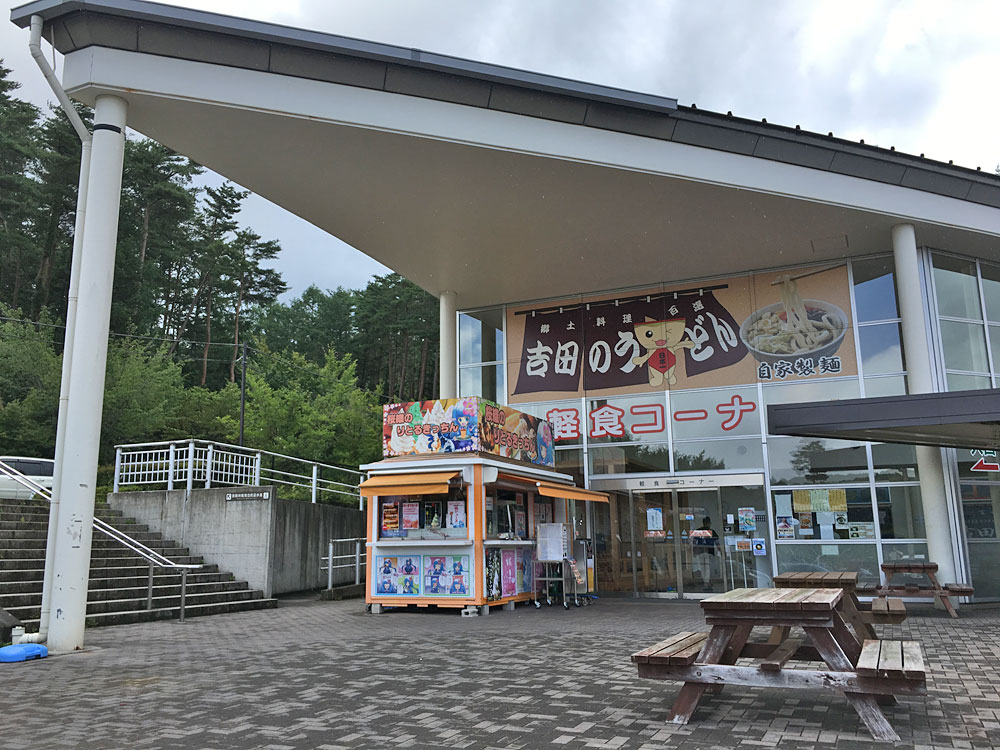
[(390, 519), (748, 518), (525, 569), (520, 529), (493, 588), (411, 515), (508, 572), (386, 572), (446, 575), (456, 514)]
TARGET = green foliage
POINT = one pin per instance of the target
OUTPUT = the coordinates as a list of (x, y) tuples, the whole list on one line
[(191, 287)]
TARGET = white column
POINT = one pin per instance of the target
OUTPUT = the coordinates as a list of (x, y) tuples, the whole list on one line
[(918, 368), (71, 566), (449, 345)]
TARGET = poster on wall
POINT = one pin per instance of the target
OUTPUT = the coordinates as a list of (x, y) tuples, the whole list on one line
[(508, 572), (771, 327), (785, 527), (747, 519), (654, 523)]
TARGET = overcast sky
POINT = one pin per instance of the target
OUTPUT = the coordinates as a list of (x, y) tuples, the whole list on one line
[(920, 75)]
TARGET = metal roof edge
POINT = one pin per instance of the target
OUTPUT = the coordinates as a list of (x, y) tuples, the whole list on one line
[(323, 41)]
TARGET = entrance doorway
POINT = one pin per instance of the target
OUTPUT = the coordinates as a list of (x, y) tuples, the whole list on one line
[(680, 542), (689, 542)]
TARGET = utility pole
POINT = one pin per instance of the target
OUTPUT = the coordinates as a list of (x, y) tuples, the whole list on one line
[(243, 389)]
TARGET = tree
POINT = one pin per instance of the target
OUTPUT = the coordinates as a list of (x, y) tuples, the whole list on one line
[(18, 190)]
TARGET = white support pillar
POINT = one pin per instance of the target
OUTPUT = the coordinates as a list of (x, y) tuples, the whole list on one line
[(919, 367), (449, 345), (71, 566)]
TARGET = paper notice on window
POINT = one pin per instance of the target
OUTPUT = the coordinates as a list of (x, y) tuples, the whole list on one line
[(826, 531), (802, 501), (783, 504), (838, 500), (826, 517)]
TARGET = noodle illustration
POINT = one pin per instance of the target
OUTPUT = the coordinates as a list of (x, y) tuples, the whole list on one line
[(800, 331)]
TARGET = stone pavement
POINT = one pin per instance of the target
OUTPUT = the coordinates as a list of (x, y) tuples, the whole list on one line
[(326, 675)]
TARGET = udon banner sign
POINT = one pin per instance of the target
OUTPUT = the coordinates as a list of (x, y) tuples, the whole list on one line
[(774, 327), (460, 425)]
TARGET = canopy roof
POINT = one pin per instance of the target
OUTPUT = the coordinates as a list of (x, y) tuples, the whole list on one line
[(965, 419), (454, 172)]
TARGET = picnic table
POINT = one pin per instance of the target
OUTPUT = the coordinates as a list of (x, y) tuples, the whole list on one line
[(860, 615), (867, 673), (913, 591)]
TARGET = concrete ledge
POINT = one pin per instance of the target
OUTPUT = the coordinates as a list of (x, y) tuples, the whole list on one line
[(343, 592)]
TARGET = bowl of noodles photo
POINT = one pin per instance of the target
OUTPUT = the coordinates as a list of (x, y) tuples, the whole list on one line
[(794, 328)]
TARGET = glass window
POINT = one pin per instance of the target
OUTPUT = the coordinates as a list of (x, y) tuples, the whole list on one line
[(627, 420), (977, 465), (958, 382), (991, 290), (718, 455), (795, 460), (480, 337), (628, 459), (843, 557), (964, 346), (820, 513), (875, 289), (487, 382), (900, 512), (894, 462), (981, 510), (995, 346), (815, 390), (571, 462), (714, 413), (567, 422), (881, 349), (894, 385), (506, 514), (424, 516), (957, 288)]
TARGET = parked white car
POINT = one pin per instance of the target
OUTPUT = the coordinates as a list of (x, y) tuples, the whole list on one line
[(36, 469)]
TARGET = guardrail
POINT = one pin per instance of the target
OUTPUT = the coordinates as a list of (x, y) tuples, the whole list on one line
[(357, 556), (154, 558), (186, 463)]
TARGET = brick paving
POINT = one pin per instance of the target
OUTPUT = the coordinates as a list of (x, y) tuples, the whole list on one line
[(326, 675)]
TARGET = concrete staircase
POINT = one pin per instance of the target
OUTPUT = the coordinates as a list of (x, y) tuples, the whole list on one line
[(118, 577)]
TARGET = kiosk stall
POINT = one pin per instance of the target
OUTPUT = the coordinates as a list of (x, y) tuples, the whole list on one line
[(455, 508)]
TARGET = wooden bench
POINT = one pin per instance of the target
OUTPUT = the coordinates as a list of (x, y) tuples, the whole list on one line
[(886, 611), (678, 650), (894, 660)]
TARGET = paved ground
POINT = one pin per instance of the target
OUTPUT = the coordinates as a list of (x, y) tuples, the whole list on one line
[(325, 675)]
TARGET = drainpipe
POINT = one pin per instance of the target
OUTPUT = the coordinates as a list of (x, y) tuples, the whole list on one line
[(34, 45)]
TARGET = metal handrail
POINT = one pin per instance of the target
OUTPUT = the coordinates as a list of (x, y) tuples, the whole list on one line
[(154, 558), (244, 448), (357, 555)]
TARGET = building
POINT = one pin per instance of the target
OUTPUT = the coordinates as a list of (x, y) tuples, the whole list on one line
[(565, 225)]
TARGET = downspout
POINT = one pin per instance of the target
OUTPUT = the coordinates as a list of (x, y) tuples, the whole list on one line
[(35, 46)]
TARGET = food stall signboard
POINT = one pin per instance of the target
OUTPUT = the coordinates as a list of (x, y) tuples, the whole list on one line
[(462, 425)]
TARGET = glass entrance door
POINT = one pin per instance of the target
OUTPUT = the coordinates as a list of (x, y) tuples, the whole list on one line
[(678, 549)]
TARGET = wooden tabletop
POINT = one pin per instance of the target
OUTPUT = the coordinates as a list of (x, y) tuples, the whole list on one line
[(775, 599), (816, 580)]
